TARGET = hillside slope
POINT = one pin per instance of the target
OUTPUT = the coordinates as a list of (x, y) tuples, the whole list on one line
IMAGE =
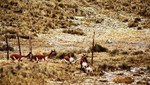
[(38, 16)]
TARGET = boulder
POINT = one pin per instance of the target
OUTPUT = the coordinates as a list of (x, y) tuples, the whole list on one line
[(99, 48)]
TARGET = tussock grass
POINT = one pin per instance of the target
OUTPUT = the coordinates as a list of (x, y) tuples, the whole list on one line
[(55, 70), (37, 73), (40, 16), (74, 31)]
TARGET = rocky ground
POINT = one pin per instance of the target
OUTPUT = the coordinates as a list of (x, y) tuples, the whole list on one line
[(125, 33)]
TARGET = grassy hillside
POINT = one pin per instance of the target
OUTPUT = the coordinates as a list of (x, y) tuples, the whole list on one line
[(38, 16), (122, 36)]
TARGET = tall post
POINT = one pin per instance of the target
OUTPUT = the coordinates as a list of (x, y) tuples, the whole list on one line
[(19, 43), (93, 43), (30, 44), (30, 47), (7, 47)]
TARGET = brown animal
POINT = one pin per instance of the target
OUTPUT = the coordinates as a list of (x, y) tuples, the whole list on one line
[(39, 57), (68, 58), (52, 54), (84, 62), (18, 57), (43, 57)]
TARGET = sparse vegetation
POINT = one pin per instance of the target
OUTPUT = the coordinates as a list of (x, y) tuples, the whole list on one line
[(137, 52), (114, 52), (107, 67), (45, 15), (123, 79), (4, 48), (74, 31), (125, 66), (121, 30)]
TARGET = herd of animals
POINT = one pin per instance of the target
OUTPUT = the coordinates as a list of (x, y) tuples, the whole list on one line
[(67, 57)]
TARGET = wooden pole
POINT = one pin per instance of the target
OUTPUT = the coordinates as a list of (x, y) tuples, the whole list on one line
[(30, 43), (30, 47), (7, 47), (19, 43), (93, 43)]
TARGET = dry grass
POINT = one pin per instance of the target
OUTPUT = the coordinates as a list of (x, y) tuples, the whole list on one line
[(74, 31), (137, 6), (35, 73), (40, 16), (55, 70), (123, 79), (45, 16)]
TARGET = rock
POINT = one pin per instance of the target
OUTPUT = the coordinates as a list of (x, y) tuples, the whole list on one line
[(102, 79), (119, 73), (99, 48), (109, 41), (123, 79), (134, 69)]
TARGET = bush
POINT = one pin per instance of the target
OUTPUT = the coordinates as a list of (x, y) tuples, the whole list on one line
[(11, 36), (136, 20), (4, 48), (137, 52), (107, 67), (74, 31), (11, 31), (99, 48), (124, 66), (114, 52)]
